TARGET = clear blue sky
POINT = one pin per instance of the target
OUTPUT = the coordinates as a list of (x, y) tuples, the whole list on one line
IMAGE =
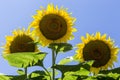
[(92, 16)]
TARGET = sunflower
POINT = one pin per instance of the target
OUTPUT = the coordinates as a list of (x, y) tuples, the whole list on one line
[(53, 25), (21, 41), (97, 48)]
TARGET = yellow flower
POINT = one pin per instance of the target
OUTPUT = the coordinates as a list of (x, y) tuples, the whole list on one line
[(21, 41), (53, 25), (97, 48)]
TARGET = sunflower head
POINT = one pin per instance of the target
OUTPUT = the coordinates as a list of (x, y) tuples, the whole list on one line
[(97, 48), (21, 41), (53, 24)]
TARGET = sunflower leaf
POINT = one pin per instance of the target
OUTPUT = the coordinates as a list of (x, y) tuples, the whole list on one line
[(109, 76), (68, 76), (66, 68), (20, 71), (38, 75), (60, 47), (73, 68), (12, 77), (80, 74), (17, 77), (115, 70), (3, 77), (114, 75), (66, 60), (24, 59)]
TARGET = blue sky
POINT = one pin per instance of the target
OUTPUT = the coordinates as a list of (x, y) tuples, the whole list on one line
[(91, 15)]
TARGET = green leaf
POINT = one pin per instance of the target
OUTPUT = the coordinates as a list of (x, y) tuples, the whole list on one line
[(17, 77), (113, 75), (109, 76), (88, 78), (83, 71), (73, 68), (39, 75), (66, 68), (80, 74), (115, 70), (3, 77), (60, 47), (24, 59), (66, 60), (38, 78), (12, 77), (20, 72), (69, 77)]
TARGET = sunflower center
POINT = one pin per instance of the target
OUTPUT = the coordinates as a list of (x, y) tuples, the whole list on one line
[(53, 26), (22, 43), (97, 50), (96, 54)]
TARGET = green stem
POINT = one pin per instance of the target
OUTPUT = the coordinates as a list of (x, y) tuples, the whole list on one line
[(26, 78), (62, 76), (55, 55), (47, 72), (53, 64)]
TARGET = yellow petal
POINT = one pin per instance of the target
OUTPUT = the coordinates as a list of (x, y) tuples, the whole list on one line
[(98, 35), (104, 36), (9, 38)]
